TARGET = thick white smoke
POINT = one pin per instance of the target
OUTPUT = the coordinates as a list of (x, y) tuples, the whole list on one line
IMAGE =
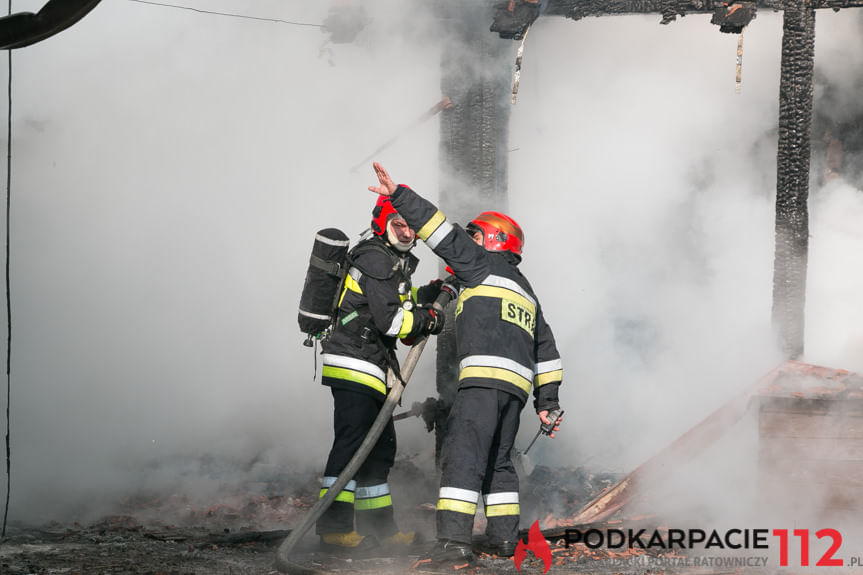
[(656, 241), (170, 169)]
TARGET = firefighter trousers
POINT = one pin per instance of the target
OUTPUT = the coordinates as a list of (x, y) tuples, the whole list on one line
[(367, 495), (476, 460)]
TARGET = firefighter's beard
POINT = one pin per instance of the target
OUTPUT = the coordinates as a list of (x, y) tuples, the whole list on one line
[(395, 243), (393, 239)]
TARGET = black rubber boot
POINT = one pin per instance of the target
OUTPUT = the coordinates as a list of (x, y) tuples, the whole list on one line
[(501, 549), (448, 551)]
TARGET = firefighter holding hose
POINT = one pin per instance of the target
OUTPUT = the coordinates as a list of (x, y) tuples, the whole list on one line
[(376, 307), (505, 350)]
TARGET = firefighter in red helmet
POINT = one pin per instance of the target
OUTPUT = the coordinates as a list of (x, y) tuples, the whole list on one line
[(377, 307), (505, 350)]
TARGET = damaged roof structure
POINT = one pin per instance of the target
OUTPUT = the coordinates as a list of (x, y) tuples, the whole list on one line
[(512, 18)]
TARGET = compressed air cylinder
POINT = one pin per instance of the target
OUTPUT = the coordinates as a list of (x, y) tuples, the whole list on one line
[(327, 267)]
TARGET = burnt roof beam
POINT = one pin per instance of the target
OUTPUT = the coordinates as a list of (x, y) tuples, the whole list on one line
[(577, 9)]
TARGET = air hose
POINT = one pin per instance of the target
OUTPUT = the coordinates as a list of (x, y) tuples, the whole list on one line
[(283, 561)]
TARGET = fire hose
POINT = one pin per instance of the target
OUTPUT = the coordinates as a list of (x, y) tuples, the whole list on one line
[(283, 561)]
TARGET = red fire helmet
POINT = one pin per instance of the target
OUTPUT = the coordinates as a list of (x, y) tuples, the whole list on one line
[(500, 233), (382, 211)]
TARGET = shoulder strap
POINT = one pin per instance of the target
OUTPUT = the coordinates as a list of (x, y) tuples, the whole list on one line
[(369, 246)]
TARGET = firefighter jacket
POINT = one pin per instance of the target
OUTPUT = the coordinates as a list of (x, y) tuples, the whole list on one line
[(375, 309), (502, 337)]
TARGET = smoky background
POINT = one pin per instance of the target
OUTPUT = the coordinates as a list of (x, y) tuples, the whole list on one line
[(170, 169), (662, 222)]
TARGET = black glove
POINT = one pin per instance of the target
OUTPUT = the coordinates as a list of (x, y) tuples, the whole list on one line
[(428, 293), (437, 325), (432, 321), (451, 285)]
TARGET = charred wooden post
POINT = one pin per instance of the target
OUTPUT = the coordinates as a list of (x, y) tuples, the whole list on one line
[(475, 72), (792, 175)]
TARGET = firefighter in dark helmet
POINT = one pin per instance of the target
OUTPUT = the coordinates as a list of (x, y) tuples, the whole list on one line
[(505, 350), (377, 306)]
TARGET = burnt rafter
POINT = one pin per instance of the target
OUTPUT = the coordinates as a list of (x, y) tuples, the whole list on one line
[(577, 9)]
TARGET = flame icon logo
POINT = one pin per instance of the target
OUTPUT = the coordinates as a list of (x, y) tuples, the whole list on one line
[(535, 542)]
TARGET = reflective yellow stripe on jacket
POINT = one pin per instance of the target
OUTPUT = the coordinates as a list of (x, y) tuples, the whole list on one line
[(517, 306), (355, 370), (352, 280), (548, 372), (434, 230), (496, 367), (495, 291)]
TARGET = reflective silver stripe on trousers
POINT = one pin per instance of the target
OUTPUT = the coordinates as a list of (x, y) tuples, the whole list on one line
[(354, 364), (327, 482), (355, 273), (373, 491), (502, 498), (496, 361), (459, 494)]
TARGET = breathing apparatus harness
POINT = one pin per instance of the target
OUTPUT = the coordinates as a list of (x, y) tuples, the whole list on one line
[(351, 322)]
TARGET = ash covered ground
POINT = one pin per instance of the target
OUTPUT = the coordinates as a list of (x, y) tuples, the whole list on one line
[(236, 528)]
